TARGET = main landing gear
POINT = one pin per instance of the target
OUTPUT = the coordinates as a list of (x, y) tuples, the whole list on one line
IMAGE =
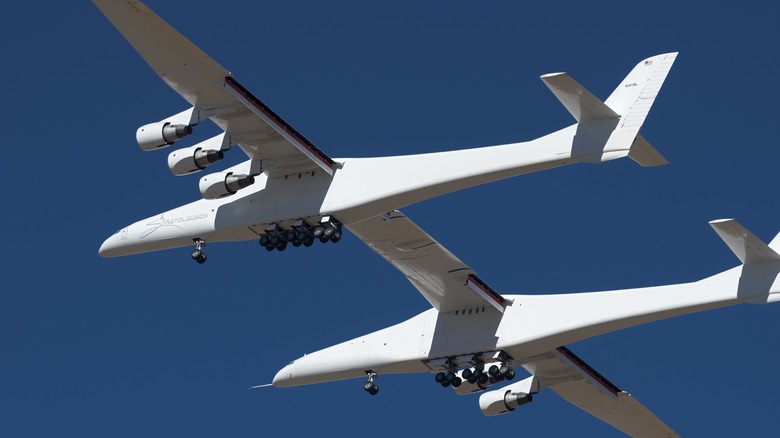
[(197, 254), (477, 374), (301, 233), (370, 386)]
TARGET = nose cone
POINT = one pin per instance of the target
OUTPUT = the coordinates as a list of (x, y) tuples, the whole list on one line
[(284, 376), (113, 245)]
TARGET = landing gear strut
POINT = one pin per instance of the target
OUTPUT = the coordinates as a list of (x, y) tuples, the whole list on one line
[(370, 386), (197, 254)]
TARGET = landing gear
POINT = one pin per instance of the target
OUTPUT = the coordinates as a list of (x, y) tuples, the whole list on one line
[(477, 372), (371, 387), (277, 237), (500, 372), (197, 254)]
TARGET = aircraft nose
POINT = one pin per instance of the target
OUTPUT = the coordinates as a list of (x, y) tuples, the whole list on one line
[(284, 376), (111, 246)]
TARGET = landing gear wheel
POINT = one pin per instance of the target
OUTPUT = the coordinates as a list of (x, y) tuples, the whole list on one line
[(440, 377), (270, 247), (466, 374), (483, 379), (307, 242), (493, 370), (197, 254), (318, 230), (371, 387), (329, 230), (265, 240), (297, 243), (510, 374), (281, 245), (456, 382), (324, 239), (335, 237)]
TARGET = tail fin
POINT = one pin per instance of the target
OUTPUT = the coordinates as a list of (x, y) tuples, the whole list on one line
[(634, 96), (758, 274), (625, 109)]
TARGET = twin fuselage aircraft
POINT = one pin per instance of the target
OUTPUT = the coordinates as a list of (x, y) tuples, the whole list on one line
[(289, 192)]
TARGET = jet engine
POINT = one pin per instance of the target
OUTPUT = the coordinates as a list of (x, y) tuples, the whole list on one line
[(502, 401), (219, 185), (161, 134), (192, 159), (509, 397)]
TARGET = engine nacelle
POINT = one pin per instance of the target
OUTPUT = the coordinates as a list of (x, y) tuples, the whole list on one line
[(502, 401), (161, 134), (192, 159), (219, 185)]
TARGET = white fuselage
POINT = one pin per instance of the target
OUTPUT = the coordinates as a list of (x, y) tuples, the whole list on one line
[(361, 188), (532, 325)]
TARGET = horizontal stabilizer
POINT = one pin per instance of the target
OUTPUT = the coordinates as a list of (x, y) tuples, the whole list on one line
[(747, 247), (584, 106), (645, 154)]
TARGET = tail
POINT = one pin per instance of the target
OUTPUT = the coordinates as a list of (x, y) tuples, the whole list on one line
[(760, 262), (610, 129)]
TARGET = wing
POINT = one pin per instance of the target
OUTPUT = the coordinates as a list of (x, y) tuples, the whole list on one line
[(445, 281), (212, 90), (579, 384)]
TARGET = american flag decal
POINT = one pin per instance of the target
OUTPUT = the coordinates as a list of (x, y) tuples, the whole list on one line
[(649, 62)]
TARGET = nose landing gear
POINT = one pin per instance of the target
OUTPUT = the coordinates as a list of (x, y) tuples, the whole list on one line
[(371, 387), (197, 254)]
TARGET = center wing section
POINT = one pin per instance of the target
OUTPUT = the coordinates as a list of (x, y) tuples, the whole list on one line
[(443, 279), (212, 90), (579, 384)]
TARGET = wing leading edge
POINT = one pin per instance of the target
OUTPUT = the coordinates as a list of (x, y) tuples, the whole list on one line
[(442, 278)]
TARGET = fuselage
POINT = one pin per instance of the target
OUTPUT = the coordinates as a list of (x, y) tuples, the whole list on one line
[(360, 189), (532, 325)]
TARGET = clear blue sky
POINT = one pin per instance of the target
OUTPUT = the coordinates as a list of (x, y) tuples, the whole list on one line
[(155, 345)]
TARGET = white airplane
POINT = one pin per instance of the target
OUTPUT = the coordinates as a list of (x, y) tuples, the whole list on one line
[(290, 191), (474, 337)]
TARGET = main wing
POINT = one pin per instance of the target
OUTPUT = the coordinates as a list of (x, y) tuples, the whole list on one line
[(579, 384), (443, 279), (212, 90)]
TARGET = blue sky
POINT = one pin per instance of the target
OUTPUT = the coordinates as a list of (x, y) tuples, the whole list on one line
[(155, 345)]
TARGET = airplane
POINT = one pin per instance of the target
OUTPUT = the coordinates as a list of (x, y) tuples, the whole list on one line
[(473, 337), (288, 191)]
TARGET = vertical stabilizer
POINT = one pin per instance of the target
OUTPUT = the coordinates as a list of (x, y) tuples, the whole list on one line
[(634, 97)]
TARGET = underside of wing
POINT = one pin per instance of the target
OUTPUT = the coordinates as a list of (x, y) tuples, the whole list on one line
[(579, 384), (443, 279), (213, 92)]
